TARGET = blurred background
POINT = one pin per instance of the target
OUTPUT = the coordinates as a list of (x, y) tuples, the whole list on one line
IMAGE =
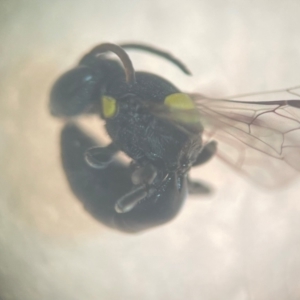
[(240, 243)]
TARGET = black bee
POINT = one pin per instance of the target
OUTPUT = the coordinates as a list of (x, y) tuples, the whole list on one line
[(167, 132)]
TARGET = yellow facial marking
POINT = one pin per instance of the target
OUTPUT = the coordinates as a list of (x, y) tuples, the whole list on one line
[(179, 101), (109, 107)]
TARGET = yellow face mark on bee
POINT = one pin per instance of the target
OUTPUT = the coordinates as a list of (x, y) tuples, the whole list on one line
[(179, 101), (109, 107)]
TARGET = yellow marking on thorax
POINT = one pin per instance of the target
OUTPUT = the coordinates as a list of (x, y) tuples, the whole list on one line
[(182, 108), (179, 101)]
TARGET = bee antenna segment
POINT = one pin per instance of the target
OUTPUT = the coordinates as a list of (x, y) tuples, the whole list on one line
[(127, 64)]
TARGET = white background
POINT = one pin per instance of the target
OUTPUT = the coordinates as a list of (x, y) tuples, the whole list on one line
[(240, 243)]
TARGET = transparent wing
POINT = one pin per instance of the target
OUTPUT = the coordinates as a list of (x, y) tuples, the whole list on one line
[(258, 138)]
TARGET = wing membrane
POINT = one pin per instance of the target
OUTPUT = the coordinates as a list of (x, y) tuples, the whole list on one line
[(258, 138)]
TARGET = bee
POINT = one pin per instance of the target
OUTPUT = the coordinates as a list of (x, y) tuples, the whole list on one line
[(166, 132)]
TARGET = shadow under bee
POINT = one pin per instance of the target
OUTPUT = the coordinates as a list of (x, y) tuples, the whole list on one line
[(99, 189)]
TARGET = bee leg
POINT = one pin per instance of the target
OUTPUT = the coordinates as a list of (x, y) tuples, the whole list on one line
[(100, 157), (142, 177), (142, 174), (206, 154), (208, 151), (131, 199)]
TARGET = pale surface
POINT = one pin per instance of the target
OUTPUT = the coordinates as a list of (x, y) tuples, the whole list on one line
[(241, 243)]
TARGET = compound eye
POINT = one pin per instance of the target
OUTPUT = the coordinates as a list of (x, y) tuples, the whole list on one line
[(109, 107)]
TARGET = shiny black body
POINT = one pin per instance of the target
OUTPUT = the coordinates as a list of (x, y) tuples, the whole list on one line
[(156, 146)]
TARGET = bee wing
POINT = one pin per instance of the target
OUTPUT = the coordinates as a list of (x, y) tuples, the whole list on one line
[(258, 138)]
